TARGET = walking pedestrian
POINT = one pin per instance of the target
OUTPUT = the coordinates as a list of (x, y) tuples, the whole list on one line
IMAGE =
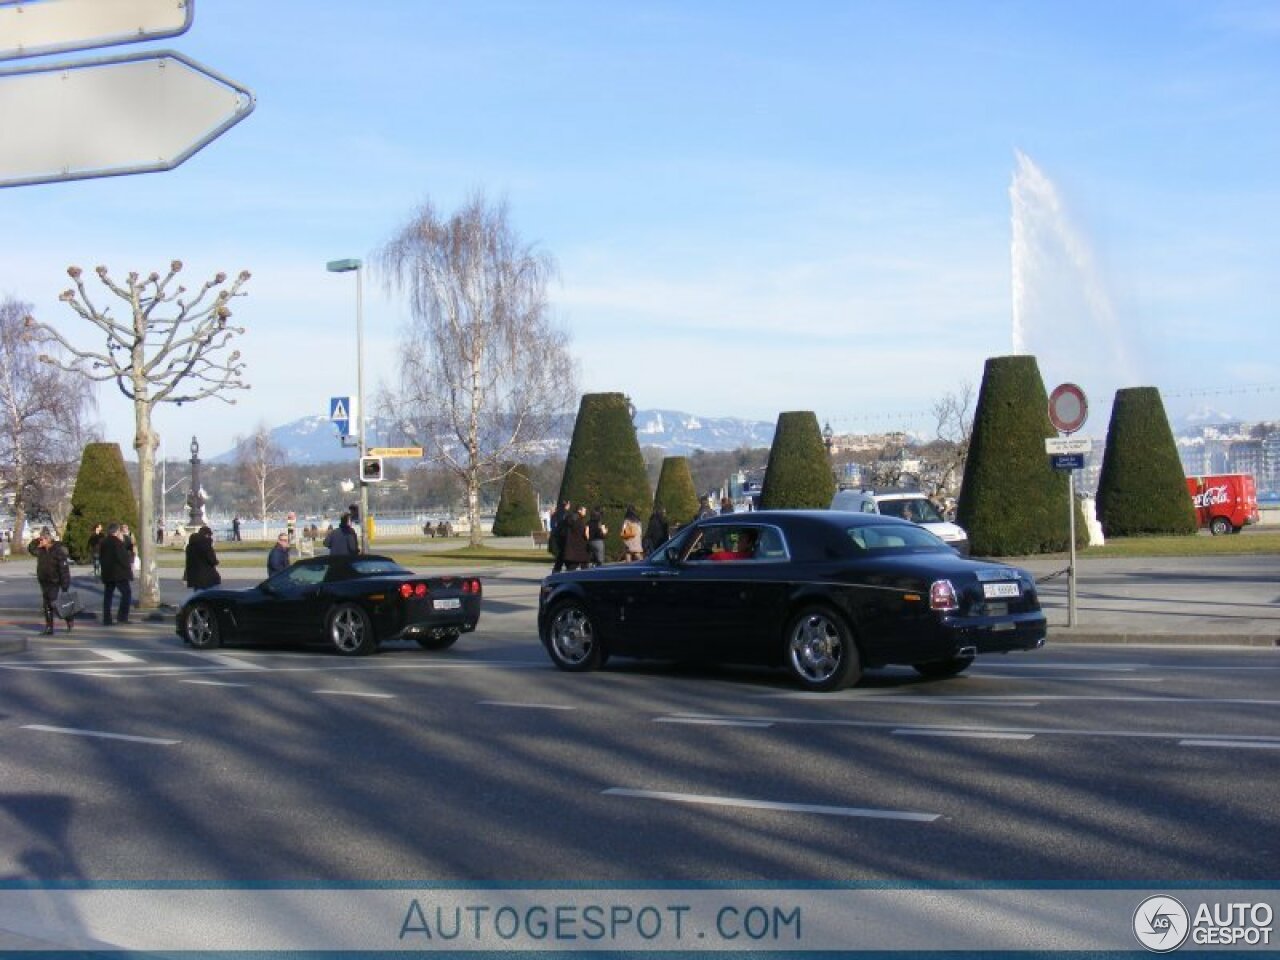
[(556, 534), (576, 552), (201, 570), (597, 530), (657, 531), (632, 535), (235, 528), (95, 543), (117, 574), (53, 573)]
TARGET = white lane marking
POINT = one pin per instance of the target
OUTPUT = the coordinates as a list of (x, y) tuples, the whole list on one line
[(115, 656), (973, 734), (357, 693), (1013, 700), (101, 734), (1014, 665), (771, 805), (222, 660), (711, 722), (215, 683), (1050, 731), (524, 706), (1231, 744)]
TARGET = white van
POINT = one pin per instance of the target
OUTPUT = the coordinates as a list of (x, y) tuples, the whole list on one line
[(909, 505)]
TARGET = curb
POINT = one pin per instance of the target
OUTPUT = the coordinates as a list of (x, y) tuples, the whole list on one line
[(1087, 635)]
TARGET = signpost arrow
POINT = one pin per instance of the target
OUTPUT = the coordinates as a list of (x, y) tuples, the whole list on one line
[(111, 116), (56, 26)]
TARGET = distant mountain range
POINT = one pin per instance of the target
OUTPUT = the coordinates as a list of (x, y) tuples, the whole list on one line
[(312, 440)]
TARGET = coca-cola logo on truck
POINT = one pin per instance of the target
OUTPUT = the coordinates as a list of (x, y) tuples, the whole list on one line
[(1210, 496)]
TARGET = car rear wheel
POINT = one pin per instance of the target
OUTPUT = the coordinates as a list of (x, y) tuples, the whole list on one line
[(438, 640), (571, 639), (937, 669), (820, 651), (1219, 525), (350, 630), (202, 627)]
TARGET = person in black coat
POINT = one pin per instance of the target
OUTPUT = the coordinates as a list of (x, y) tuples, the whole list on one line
[(658, 531), (53, 573), (201, 571), (278, 559), (577, 552), (343, 541), (115, 561)]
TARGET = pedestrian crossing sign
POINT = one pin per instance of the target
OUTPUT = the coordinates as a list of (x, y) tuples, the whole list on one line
[(339, 413)]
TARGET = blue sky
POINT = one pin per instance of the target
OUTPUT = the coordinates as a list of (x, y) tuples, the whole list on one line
[(755, 207)]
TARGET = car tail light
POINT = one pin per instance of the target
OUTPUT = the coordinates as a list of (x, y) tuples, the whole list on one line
[(408, 590), (471, 586), (942, 596)]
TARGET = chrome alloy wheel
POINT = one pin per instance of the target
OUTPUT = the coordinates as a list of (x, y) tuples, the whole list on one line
[(572, 636), (816, 648), (348, 629)]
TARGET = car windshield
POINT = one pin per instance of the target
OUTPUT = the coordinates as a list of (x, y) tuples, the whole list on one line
[(895, 538), (915, 509)]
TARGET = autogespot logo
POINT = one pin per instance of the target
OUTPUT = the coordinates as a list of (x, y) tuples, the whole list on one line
[(1161, 924)]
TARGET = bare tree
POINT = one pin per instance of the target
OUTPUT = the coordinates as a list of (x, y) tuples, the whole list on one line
[(43, 428), (953, 419), (171, 339), (260, 462), (485, 369)]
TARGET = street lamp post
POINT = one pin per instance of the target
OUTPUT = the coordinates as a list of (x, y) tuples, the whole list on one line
[(347, 266)]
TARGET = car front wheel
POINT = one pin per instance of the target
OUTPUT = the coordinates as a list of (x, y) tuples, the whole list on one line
[(351, 631), (938, 669), (1219, 526), (820, 651), (202, 627), (571, 639)]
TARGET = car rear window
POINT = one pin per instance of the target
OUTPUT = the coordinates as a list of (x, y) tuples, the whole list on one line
[(375, 568), (894, 537)]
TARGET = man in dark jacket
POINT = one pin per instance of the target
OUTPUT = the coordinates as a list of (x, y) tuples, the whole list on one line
[(343, 541), (201, 571), (115, 561), (278, 558), (53, 573)]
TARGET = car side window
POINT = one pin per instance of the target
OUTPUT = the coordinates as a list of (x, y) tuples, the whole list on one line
[(299, 576)]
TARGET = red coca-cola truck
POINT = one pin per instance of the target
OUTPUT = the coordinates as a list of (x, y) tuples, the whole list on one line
[(1224, 502)]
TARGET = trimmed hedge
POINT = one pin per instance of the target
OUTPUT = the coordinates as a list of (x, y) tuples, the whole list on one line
[(103, 494), (676, 492), (1013, 502), (798, 475), (517, 514), (1142, 489), (604, 467)]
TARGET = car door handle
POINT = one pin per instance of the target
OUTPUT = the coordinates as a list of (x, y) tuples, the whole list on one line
[(658, 573)]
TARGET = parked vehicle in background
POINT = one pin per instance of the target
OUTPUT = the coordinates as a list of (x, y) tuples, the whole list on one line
[(1224, 502), (908, 505)]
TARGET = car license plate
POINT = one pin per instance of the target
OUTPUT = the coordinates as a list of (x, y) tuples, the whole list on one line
[(990, 590), (446, 603)]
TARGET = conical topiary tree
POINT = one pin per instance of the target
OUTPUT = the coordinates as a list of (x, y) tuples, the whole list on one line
[(102, 495), (799, 472), (1142, 488), (1013, 502), (676, 493), (604, 467), (517, 514)]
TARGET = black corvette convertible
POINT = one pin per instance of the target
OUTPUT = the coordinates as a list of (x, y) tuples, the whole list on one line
[(823, 593), (353, 603)]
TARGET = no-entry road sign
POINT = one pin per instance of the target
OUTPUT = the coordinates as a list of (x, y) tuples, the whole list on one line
[(1068, 408), (111, 116)]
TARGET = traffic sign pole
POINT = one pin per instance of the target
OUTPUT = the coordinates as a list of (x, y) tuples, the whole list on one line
[(1068, 410)]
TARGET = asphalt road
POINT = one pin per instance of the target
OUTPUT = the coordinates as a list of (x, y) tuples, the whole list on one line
[(128, 756)]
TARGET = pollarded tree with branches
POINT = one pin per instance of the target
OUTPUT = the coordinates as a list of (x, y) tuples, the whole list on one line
[(171, 348), (486, 371)]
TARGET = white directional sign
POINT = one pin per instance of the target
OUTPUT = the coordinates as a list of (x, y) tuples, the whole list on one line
[(1056, 445), (112, 116), (56, 26)]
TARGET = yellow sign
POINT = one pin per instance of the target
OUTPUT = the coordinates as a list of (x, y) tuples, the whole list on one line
[(412, 452)]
